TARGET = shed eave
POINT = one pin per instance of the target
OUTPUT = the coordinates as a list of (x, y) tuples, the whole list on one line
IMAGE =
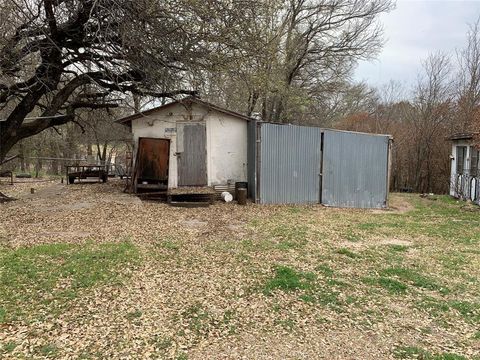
[(128, 119)]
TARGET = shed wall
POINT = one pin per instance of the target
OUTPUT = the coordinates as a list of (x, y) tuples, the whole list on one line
[(226, 148), (289, 169), (355, 169)]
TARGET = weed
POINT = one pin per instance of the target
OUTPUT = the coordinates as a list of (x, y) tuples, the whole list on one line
[(393, 286), (161, 342), (398, 248), (8, 347), (413, 277), (470, 311), (369, 226), (48, 350), (325, 270), (307, 298), (134, 315), (288, 279), (290, 237), (169, 244), (295, 210), (349, 253), (413, 352), (287, 324), (351, 236), (198, 318), (182, 356), (433, 306)]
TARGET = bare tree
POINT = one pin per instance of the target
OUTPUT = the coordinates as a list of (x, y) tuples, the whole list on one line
[(468, 83), (309, 48), (430, 117)]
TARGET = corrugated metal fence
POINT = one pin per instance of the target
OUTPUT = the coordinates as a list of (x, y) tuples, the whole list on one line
[(293, 166), (355, 170), (289, 164)]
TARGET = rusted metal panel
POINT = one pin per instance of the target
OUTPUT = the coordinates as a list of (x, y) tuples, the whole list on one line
[(192, 161), (153, 159), (355, 169), (289, 164)]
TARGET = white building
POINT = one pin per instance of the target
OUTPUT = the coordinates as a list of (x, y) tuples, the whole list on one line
[(465, 164), (188, 143)]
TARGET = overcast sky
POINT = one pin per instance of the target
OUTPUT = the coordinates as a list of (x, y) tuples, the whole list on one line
[(412, 31)]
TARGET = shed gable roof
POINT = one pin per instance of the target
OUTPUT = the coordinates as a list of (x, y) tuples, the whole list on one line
[(462, 136), (190, 100)]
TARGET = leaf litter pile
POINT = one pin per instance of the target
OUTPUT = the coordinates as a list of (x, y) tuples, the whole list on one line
[(89, 272)]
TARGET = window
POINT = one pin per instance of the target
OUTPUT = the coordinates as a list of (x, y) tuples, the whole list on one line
[(461, 155), (474, 157)]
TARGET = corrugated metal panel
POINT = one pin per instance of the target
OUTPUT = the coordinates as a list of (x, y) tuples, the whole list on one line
[(252, 159), (355, 169), (289, 170)]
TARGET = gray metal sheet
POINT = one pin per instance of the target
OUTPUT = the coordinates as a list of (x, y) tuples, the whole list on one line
[(289, 169), (355, 169)]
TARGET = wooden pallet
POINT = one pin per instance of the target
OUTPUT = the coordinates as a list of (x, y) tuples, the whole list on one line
[(191, 200)]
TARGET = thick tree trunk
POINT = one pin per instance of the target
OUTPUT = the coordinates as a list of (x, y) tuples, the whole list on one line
[(5, 198)]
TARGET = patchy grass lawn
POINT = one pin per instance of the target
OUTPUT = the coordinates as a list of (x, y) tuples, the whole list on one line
[(88, 272)]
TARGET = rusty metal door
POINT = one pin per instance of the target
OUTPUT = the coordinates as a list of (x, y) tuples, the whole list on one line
[(153, 159), (192, 155)]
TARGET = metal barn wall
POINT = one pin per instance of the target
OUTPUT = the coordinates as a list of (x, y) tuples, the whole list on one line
[(355, 169), (289, 168), (252, 159)]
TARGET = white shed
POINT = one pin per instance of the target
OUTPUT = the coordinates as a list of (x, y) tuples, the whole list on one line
[(465, 168), (188, 143)]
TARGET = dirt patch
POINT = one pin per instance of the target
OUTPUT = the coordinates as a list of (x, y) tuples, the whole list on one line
[(398, 242), (65, 234), (399, 204), (193, 224), (45, 192)]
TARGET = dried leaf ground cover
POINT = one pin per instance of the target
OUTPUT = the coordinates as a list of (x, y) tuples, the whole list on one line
[(89, 272)]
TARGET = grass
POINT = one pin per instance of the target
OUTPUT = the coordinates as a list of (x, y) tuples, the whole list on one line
[(309, 287), (391, 285), (8, 347), (413, 277), (348, 253), (41, 280), (413, 352), (288, 279), (48, 351), (169, 244)]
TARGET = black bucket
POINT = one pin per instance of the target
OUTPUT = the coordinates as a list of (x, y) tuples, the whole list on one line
[(240, 185)]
